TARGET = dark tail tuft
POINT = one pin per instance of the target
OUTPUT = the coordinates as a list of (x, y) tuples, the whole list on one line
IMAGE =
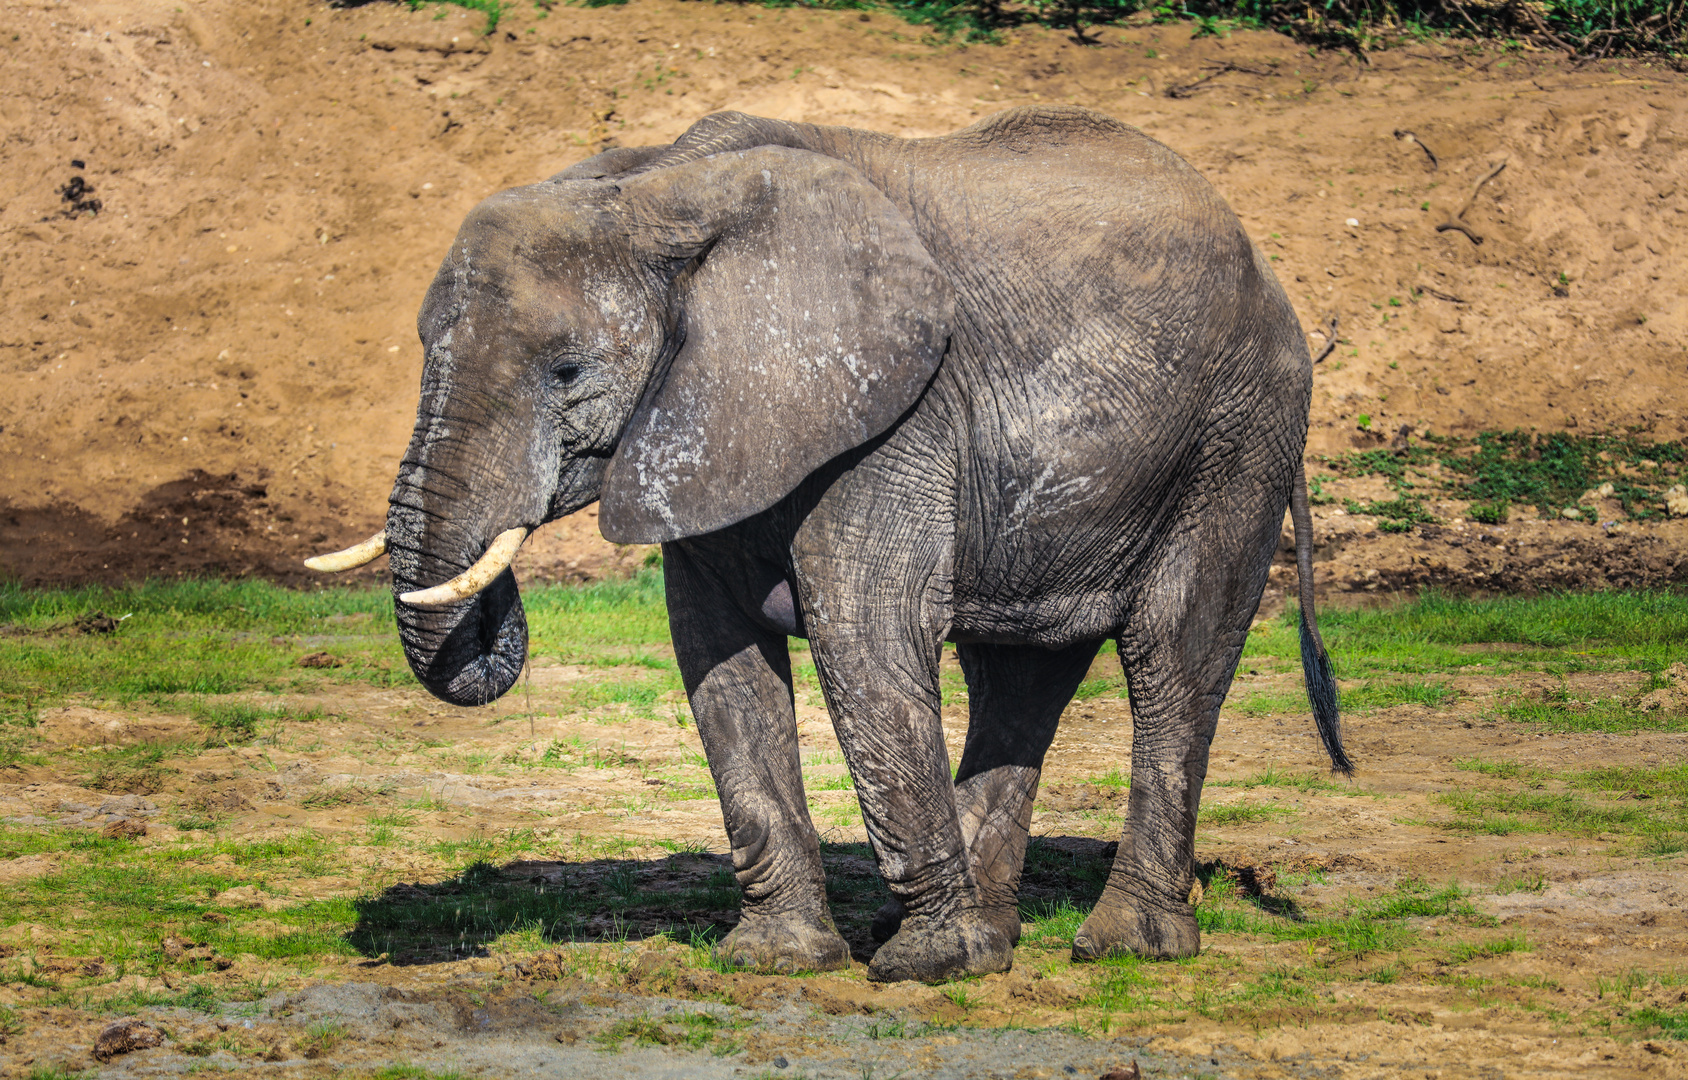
[(1315, 661), (1321, 691)]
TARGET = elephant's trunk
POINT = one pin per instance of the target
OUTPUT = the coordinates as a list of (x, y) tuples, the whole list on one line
[(467, 652)]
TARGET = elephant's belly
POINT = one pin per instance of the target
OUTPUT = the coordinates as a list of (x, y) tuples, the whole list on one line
[(1054, 622), (1054, 585)]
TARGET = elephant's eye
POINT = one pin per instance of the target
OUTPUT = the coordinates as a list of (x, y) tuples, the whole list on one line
[(564, 372)]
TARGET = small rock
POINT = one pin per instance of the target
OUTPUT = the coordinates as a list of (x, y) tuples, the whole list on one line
[(1570, 513), (1623, 240), (780, 1063), (124, 829), (1128, 1072), (126, 1036), (1605, 491), (320, 660), (1676, 500)]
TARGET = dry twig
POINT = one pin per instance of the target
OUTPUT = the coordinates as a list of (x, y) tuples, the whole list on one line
[(1189, 89), (1330, 339), (1440, 295), (1457, 222), (1402, 133)]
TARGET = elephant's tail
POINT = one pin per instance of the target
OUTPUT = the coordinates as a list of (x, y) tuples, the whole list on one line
[(1315, 661)]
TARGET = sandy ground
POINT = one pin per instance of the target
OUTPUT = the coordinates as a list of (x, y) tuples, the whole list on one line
[(1594, 909), (215, 372)]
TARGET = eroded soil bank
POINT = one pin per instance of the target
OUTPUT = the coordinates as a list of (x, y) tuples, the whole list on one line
[(216, 371)]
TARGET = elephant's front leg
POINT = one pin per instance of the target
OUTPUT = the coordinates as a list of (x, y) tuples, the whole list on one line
[(884, 698), (738, 678), (1015, 697)]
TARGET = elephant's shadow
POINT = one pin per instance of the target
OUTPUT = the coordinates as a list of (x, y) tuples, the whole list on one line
[(691, 897)]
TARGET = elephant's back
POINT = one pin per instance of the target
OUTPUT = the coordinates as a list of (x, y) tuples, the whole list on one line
[(1112, 320), (1083, 251)]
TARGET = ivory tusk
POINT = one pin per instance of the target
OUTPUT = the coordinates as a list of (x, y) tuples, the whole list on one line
[(353, 557), (497, 559)]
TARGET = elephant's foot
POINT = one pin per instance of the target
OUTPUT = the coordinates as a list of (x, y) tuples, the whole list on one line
[(784, 944), (1117, 927), (931, 948), (889, 919)]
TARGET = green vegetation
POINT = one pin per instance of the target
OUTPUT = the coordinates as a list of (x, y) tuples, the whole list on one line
[(1560, 711), (1271, 777), (225, 653), (1563, 632), (1090, 689), (1240, 814), (184, 646), (412, 1072), (1397, 515), (692, 1030), (1466, 951), (1645, 804), (1497, 470), (1337, 944), (606, 623), (1670, 1023), (493, 9)]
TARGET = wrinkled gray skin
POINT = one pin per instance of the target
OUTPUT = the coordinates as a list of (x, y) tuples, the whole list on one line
[(1023, 388)]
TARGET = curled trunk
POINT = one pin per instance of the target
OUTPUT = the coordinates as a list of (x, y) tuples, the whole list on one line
[(468, 652)]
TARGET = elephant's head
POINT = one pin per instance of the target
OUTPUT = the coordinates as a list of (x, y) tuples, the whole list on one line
[(686, 343)]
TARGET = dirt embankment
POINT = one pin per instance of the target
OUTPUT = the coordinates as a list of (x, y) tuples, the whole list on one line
[(216, 371)]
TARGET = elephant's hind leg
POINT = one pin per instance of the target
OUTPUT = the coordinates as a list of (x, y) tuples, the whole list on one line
[(738, 677), (1179, 652), (1015, 696)]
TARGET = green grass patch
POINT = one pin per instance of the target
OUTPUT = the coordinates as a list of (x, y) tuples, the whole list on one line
[(607, 622), (183, 642), (414, 1072), (1561, 712), (1433, 634), (1270, 777), (1394, 515), (1498, 469), (240, 721), (1501, 813), (1115, 779), (1648, 804), (1664, 782), (1090, 689), (1669, 1023), (1466, 951), (1271, 702), (1240, 814), (493, 9), (1384, 695), (129, 897)]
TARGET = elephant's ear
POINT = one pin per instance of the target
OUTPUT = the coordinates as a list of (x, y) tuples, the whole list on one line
[(810, 318)]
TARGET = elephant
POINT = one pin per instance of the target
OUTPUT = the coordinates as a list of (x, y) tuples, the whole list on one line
[(1023, 388)]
